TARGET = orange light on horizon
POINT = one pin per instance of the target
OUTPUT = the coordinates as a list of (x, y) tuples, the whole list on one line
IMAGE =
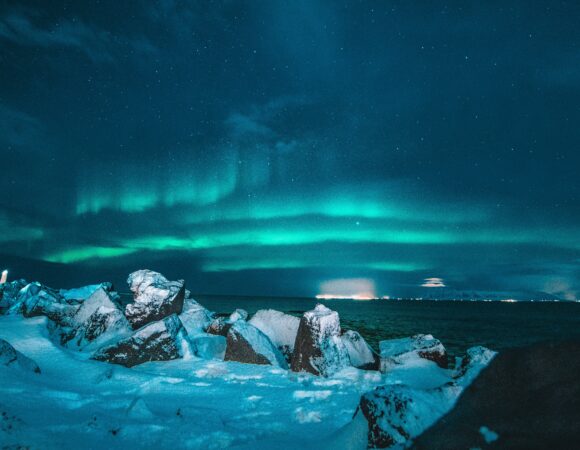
[(348, 288)]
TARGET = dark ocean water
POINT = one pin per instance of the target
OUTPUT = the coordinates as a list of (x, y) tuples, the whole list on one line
[(459, 325)]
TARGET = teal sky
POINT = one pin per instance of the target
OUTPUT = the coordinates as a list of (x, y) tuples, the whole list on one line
[(273, 148)]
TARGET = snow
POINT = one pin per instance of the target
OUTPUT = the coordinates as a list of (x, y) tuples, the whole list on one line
[(408, 350), (82, 293), (359, 352), (81, 402), (489, 435), (97, 298), (238, 314), (200, 401), (140, 280), (279, 327)]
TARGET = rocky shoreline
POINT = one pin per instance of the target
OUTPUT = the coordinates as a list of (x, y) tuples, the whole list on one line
[(163, 323)]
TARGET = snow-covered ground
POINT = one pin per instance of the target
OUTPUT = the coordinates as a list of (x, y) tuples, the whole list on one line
[(196, 395), (185, 403)]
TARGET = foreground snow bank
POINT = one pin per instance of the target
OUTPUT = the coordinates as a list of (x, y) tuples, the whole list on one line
[(201, 381)]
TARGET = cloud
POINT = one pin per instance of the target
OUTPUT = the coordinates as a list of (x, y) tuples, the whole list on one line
[(433, 283), (242, 125), (97, 44), (18, 129)]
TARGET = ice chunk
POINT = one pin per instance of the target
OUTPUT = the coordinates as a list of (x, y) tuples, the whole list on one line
[(279, 327), (195, 318), (360, 353), (405, 350), (209, 346)]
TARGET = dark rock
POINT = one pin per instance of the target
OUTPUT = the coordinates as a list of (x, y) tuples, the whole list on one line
[(246, 344), (398, 351), (155, 297), (36, 299), (528, 397), (318, 348), (10, 357), (158, 341), (219, 326), (9, 293)]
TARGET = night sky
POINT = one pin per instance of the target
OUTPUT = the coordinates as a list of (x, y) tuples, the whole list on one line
[(293, 147)]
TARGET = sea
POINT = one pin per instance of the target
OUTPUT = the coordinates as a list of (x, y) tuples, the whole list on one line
[(457, 324)]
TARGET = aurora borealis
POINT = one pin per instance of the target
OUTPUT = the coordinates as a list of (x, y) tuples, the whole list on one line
[(276, 147)]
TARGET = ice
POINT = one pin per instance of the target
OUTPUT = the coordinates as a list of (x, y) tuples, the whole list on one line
[(360, 353), (279, 327), (82, 293)]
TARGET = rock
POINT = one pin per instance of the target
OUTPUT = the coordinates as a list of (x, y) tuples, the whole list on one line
[(157, 341), (78, 295), (155, 297), (405, 350), (209, 346), (219, 327), (195, 318), (9, 293), (238, 314), (36, 299), (246, 344), (280, 328), (397, 413), (528, 397), (10, 357), (98, 320), (468, 367), (318, 348), (360, 353)]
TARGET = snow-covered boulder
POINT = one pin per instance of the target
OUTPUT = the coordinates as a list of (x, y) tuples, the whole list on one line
[(36, 299), (12, 358), (157, 341), (398, 413), (9, 293), (155, 297), (281, 328), (468, 367), (78, 295), (195, 318), (408, 350), (209, 346), (98, 320), (246, 344), (318, 348), (360, 353)]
